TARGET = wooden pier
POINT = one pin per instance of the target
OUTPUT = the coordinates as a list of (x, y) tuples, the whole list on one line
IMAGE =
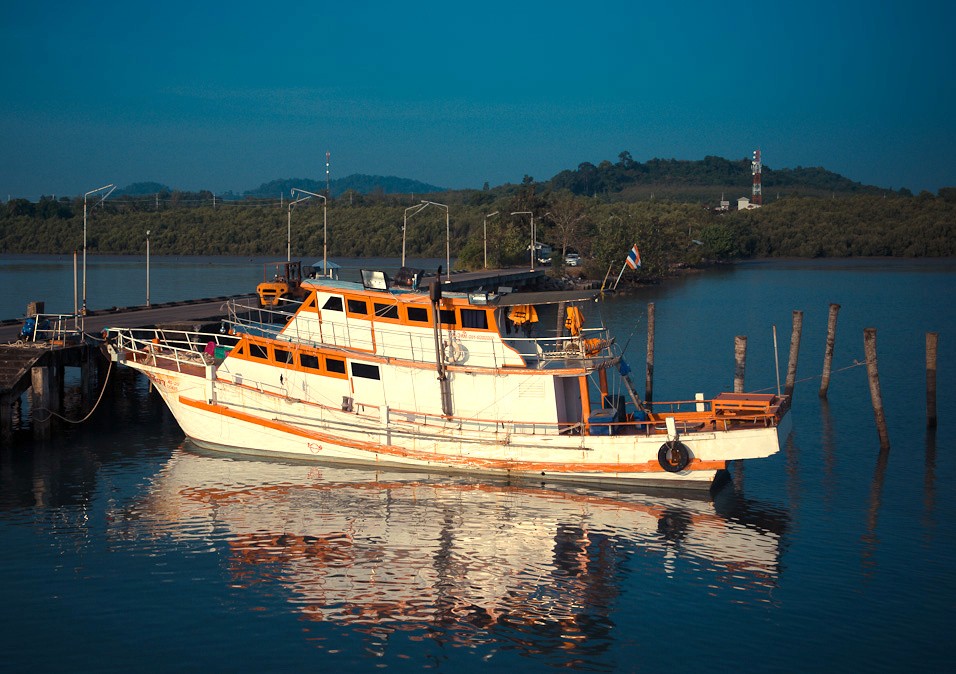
[(39, 366)]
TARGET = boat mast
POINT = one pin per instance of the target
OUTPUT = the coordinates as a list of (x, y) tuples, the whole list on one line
[(434, 294)]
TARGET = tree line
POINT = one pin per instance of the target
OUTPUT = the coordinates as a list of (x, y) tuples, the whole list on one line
[(670, 234)]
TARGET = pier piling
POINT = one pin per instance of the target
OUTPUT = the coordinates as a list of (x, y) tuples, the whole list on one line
[(932, 339), (873, 375), (740, 359), (794, 352), (42, 400), (828, 353)]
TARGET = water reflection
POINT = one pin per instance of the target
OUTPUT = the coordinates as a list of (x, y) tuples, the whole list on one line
[(870, 538), (827, 442), (388, 552)]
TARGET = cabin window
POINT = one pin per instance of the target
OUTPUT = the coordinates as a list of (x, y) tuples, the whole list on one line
[(335, 365), (358, 307), (447, 316), (334, 303), (386, 310), (309, 361), (258, 351), (310, 304), (474, 318), (418, 314), (365, 371), (283, 356)]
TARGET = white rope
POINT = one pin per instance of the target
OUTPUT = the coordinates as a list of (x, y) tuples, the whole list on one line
[(95, 405)]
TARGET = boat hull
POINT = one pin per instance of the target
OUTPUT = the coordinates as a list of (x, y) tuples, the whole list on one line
[(223, 416)]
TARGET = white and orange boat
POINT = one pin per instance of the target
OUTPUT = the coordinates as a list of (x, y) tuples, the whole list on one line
[(436, 377)]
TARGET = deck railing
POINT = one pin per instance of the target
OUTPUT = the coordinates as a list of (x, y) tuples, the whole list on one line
[(176, 349), (187, 351)]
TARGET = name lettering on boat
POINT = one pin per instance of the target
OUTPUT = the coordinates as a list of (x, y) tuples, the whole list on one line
[(167, 383)]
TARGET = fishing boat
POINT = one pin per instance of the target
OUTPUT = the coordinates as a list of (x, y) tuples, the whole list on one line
[(442, 373)]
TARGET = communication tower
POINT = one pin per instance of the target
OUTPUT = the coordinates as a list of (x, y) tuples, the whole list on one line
[(327, 183), (755, 167)]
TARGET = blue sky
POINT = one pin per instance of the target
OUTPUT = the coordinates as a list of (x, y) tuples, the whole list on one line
[(226, 96)]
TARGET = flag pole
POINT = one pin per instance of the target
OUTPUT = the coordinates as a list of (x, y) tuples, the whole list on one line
[(618, 280)]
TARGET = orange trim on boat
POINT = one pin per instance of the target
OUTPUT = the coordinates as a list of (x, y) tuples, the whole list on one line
[(471, 462)]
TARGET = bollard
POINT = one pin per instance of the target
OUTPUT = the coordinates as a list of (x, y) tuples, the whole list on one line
[(794, 351), (828, 353), (932, 339), (872, 372), (649, 383), (740, 358)]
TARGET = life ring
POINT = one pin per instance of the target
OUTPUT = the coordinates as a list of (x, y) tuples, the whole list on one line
[(673, 456), (454, 351)]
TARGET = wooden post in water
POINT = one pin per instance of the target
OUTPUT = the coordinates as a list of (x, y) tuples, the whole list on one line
[(41, 385), (6, 417), (794, 352), (932, 338), (649, 383), (828, 353), (740, 358), (872, 372)]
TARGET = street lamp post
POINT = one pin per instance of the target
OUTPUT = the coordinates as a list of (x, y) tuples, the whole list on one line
[(486, 236), (416, 208), (325, 223), (447, 238), (533, 250), (147, 267), (109, 187)]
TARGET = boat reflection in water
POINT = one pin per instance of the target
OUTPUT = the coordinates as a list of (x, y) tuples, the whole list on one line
[(404, 550)]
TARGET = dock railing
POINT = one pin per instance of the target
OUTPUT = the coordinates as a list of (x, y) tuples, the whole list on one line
[(51, 328)]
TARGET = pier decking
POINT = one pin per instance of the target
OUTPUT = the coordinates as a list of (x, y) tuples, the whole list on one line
[(39, 365)]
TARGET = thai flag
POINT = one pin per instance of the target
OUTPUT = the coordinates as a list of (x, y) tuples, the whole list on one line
[(634, 258)]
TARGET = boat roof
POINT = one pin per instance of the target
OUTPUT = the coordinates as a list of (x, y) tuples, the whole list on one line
[(493, 299), (546, 297)]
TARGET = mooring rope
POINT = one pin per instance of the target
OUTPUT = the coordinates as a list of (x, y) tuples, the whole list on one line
[(89, 414), (856, 363)]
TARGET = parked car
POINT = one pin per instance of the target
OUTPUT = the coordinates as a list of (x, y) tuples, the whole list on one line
[(572, 260)]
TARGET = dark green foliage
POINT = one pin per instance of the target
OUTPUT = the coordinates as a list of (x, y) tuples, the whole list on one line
[(628, 180), (664, 206)]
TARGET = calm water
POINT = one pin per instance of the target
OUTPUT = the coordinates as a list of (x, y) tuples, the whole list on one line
[(124, 548)]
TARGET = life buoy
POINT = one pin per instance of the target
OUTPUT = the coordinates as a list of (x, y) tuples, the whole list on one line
[(454, 351), (673, 456)]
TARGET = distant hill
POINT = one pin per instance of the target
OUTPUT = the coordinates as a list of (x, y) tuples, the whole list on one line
[(363, 184), (625, 180), (686, 179), (141, 189)]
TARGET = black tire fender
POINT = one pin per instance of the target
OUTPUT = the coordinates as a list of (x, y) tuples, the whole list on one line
[(673, 456)]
